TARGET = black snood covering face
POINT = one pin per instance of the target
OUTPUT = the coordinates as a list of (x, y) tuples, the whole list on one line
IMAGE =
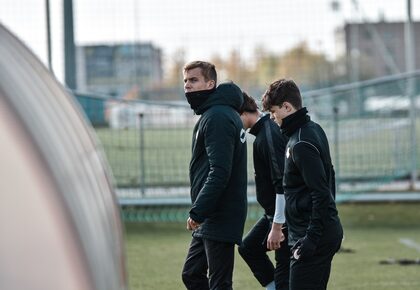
[(197, 98)]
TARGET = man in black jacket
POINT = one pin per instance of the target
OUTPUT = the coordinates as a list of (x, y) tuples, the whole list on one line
[(268, 155), (218, 177), (315, 231)]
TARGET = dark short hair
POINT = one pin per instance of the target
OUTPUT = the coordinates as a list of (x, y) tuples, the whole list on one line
[(280, 91), (207, 69), (248, 105)]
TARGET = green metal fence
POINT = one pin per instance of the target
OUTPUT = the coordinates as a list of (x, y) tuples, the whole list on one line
[(370, 125), (373, 130)]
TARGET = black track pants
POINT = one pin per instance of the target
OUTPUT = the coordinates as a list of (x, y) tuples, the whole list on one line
[(313, 273), (254, 251), (206, 255)]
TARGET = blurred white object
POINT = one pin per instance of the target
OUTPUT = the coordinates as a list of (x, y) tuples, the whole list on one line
[(60, 223)]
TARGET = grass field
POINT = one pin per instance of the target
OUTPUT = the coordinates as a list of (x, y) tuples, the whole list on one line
[(156, 251)]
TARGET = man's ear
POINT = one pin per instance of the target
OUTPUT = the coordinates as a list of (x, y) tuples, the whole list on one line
[(289, 107), (211, 84)]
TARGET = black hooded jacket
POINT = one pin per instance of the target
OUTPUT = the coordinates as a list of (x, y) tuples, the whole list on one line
[(309, 182), (269, 147), (218, 167)]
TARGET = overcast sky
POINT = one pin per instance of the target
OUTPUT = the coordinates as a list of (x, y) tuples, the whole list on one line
[(202, 28)]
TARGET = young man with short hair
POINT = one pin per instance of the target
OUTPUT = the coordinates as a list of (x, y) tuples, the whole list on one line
[(315, 231), (268, 155), (218, 177)]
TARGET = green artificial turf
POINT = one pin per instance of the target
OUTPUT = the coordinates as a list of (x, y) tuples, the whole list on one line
[(155, 252)]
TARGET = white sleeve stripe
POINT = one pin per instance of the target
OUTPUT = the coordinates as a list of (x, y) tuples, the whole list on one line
[(301, 141), (305, 143), (309, 144)]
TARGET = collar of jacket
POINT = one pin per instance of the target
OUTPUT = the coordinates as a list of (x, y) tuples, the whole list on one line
[(294, 121), (197, 98), (258, 125)]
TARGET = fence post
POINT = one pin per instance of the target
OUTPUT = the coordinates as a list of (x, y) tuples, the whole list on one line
[(413, 133), (336, 149), (410, 66), (142, 163)]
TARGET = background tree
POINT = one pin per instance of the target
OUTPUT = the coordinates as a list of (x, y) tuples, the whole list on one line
[(174, 76), (308, 68)]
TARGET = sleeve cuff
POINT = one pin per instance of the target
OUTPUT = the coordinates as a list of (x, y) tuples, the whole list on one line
[(196, 218)]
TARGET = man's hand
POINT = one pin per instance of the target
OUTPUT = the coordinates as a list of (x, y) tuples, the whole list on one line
[(192, 225), (275, 237)]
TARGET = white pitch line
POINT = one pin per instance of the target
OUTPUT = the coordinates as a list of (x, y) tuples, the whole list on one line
[(410, 243)]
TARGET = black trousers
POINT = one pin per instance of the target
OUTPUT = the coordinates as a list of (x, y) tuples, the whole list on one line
[(207, 255), (254, 251), (313, 273)]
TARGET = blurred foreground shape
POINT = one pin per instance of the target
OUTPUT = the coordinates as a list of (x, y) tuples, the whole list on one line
[(60, 223)]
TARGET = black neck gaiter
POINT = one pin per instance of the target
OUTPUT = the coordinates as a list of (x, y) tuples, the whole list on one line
[(294, 121), (197, 98)]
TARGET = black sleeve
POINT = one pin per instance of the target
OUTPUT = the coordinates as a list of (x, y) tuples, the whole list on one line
[(308, 160), (219, 139), (274, 153)]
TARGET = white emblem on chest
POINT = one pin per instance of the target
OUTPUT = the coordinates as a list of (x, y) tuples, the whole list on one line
[(242, 136)]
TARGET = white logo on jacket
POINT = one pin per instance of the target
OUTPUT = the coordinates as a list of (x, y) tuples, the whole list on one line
[(242, 136)]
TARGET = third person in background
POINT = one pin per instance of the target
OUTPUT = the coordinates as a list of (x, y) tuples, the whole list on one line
[(315, 231), (268, 156)]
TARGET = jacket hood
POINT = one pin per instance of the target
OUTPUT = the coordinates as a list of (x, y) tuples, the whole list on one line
[(227, 93)]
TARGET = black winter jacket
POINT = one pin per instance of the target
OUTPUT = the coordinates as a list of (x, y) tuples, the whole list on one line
[(218, 167), (309, 182), (268, 153)]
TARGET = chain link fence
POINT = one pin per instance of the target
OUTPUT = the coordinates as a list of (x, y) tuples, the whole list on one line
[(370, 125)]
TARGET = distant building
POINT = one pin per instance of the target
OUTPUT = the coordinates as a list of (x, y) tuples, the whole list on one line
[(376, 49), (118, 69)]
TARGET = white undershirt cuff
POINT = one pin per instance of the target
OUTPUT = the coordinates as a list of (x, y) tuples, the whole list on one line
[(279, 216)]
